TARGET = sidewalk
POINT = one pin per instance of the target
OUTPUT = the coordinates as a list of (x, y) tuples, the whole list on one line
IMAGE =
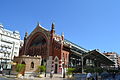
[(55, 77)]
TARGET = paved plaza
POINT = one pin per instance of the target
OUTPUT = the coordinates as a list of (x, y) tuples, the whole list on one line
[(55, 77)]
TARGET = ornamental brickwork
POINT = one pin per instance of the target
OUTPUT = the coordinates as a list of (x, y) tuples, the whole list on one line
[(48, 45)]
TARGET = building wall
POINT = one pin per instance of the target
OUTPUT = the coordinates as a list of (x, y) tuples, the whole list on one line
[(28, 60), (53, 50), (9, 44), (119, 61)]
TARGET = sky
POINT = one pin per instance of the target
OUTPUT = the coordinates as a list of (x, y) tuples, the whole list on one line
[(91, 24)]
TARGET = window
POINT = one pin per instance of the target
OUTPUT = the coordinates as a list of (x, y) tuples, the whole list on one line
[(15, 52), (63, 54), (32, 65), (16, 48)]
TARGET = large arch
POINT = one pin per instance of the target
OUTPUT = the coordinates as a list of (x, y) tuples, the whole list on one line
[(37, 44)]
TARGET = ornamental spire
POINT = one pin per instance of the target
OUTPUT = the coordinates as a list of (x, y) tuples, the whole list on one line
[(53, 26), (26, 35), (53, 29), (62, 35), (38, 24)]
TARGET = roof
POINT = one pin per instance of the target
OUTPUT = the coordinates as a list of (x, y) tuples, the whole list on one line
[(75, 47), (99, 57)]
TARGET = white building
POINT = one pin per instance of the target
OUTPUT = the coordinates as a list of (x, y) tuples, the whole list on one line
[(9, 46), (114, 57)]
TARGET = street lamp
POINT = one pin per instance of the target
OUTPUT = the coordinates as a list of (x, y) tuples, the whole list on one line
[(63, 67), (45, 61), (82, 63), (63, 70), (96, 66)]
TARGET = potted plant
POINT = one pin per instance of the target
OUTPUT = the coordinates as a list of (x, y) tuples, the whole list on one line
[(70, 72), (20, 69), (41, 71)]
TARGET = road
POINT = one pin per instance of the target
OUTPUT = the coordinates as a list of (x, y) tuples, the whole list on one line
[(6, 79)]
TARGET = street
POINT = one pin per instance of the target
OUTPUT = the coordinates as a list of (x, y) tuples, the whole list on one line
[(6, 78)]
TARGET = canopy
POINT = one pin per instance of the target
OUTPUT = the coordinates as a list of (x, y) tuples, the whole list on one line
[(99, 57)]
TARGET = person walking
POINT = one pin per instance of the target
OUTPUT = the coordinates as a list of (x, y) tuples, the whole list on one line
[(89, 76), (1, 70), (51, 73), (114, 74)]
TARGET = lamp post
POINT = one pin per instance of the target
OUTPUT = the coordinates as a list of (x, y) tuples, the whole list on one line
[(63, 70), (45, 68), (82, 63), (63, 67), (96, 66)]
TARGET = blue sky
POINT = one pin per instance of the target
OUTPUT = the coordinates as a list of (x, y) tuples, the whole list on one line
[(92, 24)]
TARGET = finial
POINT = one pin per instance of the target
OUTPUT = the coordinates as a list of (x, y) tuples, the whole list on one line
[(26, 35), (53, 26), (62, 36), (38, 24), (62, 33)]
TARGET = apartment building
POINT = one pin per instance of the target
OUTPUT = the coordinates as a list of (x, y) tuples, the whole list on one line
[(9, 46), (114, 57)]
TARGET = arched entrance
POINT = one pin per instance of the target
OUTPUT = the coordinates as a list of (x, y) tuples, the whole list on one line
[(56, 64), (23, 63), (56, 67), (37, 46)]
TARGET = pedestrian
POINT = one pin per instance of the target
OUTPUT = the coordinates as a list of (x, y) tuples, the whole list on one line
[(51, 73), (114, 74), (89, 76), (1, 70)]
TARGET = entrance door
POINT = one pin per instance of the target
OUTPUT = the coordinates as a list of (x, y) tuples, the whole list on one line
[(56, 66)]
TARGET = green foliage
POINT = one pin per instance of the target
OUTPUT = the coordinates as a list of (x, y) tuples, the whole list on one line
[(87, 70), (41, 69), (98, 70), (78, 70), (70, 71), (20, 67), (92, 70), (113, 71)]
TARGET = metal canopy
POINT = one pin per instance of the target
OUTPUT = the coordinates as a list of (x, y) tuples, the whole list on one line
[(75, 47), (97, 56), (76, 53)]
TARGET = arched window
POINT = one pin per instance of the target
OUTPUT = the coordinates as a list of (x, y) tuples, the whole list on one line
[(32, 65), (23, 62)]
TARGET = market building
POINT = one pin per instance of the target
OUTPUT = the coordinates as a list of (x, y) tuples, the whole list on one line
[(56, 52)]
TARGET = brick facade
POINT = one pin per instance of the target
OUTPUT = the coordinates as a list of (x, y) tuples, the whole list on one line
[(49, 46)]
